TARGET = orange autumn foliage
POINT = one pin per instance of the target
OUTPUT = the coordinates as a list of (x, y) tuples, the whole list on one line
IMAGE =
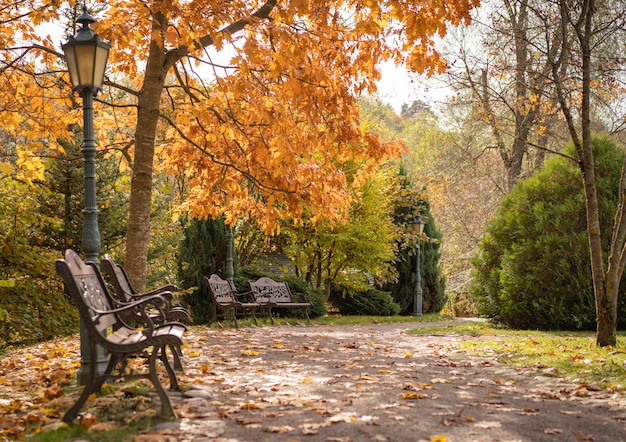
[(270, 132)]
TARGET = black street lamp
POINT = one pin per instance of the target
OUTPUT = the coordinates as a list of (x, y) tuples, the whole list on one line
[(86, 56), (418, 229)]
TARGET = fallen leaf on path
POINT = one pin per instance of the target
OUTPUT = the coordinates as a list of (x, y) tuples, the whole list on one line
[(413, 395), (102, 427), (553, 431), (343, 417), (582, 436), (249, 353), (279, 430), (488, 424)]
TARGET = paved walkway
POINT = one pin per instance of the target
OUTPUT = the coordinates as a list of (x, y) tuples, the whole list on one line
[(373, 383)]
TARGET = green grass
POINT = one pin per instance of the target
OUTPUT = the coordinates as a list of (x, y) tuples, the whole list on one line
[(572, 355), (333, 319)]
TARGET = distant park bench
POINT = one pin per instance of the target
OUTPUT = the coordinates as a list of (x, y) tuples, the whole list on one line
[(106, 327), (225, 296), (272, 294)]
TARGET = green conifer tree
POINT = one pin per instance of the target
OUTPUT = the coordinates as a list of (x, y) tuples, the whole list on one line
[(202, 252), (432, 280)]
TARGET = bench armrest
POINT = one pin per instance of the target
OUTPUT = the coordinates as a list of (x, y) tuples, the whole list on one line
[(166, 290), (244, 297), (137, 308)]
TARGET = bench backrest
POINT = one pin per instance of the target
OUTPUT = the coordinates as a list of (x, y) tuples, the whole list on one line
[(119, 279), (84, 284), (268, 290), (221, 289)]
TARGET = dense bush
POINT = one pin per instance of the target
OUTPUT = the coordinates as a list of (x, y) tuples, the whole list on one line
[(532, 269), (32, 305), (371, 302)]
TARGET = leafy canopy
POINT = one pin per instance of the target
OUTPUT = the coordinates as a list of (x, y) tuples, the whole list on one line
[(273, 128)]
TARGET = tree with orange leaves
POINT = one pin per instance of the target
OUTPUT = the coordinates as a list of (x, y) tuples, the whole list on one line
[(270, 131)]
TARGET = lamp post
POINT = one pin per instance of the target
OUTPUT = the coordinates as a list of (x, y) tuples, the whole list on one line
[(418, 228), (86, 56), (229, 273)]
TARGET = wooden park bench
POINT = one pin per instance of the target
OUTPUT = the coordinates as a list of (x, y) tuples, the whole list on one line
[(105, 327), (272, 294), (125, 292), (225, 298)]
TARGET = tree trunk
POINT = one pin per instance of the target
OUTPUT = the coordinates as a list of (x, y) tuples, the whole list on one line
[(158, 64), (605, 286), (138, 236)]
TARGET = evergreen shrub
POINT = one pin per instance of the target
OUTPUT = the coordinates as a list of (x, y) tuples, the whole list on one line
[(201, 253), (532, 270), (370, 302)]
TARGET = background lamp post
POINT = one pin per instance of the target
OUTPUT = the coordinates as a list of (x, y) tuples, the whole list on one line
[(86, 56), (418, 229), (229, 272)]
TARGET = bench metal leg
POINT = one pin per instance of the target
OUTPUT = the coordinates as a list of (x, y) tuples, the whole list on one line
[(167, 411), (254, 316), (233, 311), (176, 354), (89, 387), (168, 367)]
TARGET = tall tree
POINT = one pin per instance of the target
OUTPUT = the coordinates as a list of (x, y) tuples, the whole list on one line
[(501, 67), (596, 27), (273, 127), (356, 251)]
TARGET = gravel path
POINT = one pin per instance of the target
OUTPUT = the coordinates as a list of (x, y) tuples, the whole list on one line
[(375, 382)]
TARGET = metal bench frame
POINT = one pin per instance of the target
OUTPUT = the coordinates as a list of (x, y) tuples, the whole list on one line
[(273, 294), (225, 296)]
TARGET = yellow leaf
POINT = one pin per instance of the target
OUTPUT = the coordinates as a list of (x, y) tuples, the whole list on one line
[(413, 395), (171, 36), (249, 353), (194, 354), (439, 438), (6, 168)]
